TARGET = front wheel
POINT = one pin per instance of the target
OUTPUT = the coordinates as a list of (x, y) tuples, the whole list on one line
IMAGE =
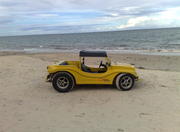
[(63, 82), (124, 82)]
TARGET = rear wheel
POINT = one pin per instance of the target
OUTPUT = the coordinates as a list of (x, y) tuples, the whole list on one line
[(63, 82), (124, 82)]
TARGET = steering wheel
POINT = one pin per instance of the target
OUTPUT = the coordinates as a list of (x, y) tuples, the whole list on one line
[(102, 65)]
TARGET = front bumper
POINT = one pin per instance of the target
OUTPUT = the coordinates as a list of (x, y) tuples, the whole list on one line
[(49, 78), (136, 78)]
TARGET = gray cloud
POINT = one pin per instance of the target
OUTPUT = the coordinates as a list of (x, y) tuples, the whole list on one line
[(5, 20), (18, 11), (134, 12), (70, 28), (144, 7), (29, 5)]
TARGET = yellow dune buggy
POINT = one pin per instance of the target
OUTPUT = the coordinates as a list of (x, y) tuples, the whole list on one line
[(67, 74)]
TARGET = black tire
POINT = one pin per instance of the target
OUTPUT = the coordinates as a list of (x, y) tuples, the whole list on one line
[(63, 82), (124, 82)]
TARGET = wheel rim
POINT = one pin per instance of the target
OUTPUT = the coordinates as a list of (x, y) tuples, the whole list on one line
[(62, 82), (126, 82)]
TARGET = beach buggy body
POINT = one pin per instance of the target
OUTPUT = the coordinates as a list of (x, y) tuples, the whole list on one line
[(65, 75)]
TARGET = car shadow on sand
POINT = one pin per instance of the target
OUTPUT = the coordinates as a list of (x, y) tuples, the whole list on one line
[(94, 87), (103, 87)]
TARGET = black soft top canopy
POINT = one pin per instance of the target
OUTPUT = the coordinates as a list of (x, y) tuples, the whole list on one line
[(85, 53)]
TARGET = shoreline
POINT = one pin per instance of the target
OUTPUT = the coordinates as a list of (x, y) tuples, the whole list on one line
[(141, 61), (132, 52)]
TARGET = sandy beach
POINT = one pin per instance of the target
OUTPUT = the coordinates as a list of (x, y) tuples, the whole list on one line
[(29, 104)]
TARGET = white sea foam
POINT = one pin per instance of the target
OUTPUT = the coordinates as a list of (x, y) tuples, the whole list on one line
[(161, 42)]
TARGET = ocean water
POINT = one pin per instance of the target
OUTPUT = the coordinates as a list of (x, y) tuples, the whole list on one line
[(153, 41)]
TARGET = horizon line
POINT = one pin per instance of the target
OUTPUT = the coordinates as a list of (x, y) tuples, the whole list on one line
[(89, 32)]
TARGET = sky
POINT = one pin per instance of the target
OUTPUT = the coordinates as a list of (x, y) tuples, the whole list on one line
[(26, 17)]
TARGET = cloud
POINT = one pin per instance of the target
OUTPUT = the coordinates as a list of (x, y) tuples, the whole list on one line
[(5, 21), (66, 15), (167, 18), (133, 22), (65, 29)]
